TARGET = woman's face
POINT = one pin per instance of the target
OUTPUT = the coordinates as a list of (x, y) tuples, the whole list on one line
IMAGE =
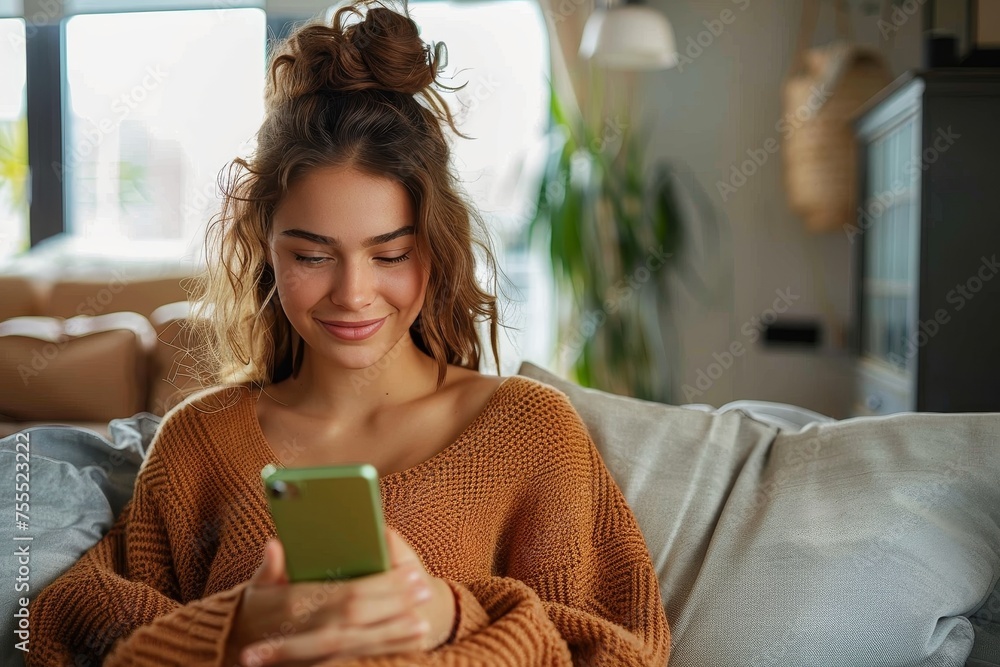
[(343, 248)]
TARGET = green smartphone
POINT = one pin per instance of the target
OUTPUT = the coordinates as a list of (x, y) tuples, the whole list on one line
[(329, 520)]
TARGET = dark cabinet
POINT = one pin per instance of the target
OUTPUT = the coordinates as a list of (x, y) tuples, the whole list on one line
[(927, 245)]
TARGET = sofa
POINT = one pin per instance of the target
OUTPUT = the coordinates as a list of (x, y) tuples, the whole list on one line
[(780, 537), (867, 541), (85, 338)]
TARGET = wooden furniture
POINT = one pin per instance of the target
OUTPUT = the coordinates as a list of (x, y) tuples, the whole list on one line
[(927, 242)]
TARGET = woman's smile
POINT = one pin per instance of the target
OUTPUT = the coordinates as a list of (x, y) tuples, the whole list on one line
[(353, 330)]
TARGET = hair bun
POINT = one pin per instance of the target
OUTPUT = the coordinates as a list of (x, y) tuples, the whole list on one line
[(381, 51)]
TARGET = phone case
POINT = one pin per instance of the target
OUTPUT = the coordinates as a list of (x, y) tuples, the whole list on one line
[(329, 520)]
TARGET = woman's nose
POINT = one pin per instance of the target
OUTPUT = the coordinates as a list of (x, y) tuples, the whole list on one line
[(354, 286)]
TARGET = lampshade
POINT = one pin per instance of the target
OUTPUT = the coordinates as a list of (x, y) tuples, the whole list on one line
[(630, 36)]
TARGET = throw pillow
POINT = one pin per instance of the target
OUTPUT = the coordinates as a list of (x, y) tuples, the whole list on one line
[(84, 369), (868, 541), (77, 483)]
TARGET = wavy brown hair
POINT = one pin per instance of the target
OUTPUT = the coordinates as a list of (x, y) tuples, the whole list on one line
[(351, 93)]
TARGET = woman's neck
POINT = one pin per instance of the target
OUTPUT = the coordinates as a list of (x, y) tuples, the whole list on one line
[(403, 375)]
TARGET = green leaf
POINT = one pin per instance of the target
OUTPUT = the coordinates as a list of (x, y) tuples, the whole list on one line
[(14, 161), (602, 215)]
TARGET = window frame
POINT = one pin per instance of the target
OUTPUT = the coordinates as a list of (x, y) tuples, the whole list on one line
[(47, 86)]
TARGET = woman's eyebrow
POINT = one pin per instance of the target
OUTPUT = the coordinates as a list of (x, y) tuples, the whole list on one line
[(330, 241), (385, 238)]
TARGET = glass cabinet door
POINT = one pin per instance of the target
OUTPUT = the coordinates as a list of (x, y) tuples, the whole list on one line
[(889, 282)]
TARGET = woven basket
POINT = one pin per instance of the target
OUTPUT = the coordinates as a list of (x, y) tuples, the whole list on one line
[(823, 90)]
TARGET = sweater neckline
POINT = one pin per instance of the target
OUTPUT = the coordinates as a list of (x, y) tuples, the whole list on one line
[(246, 403)]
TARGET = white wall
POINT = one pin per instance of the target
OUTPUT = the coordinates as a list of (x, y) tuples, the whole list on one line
[(708, 114)]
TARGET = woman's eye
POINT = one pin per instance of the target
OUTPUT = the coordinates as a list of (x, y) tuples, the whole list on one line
[(307, 259), (393, 260)]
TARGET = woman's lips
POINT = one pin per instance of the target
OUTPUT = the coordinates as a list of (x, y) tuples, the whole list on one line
[(353, 330)]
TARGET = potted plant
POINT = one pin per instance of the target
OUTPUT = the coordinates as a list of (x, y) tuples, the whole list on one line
[(615, 235), (14, 168)]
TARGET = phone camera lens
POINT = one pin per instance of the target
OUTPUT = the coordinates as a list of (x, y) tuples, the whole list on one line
[(278, 489)]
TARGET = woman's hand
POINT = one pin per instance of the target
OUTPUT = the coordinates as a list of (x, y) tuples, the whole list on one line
[(403, 609), (438, 610)]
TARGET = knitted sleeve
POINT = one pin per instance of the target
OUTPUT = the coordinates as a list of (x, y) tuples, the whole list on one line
[(577, 586), (123, 594)]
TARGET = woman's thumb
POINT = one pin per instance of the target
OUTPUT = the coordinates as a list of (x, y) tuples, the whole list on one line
[(400, 551), (272, 567)]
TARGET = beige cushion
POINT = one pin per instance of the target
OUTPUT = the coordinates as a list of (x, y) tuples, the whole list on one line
[(80, 369), (115, 293), (873, 540), (22, 295), (172, 373)]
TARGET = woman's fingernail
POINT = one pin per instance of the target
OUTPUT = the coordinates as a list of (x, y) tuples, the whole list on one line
[(250, 658)]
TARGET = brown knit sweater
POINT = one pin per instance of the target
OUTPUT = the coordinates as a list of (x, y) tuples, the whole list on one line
[(519, 516)]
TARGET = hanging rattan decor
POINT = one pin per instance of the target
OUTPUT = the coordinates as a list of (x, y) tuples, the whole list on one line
[(823, 89)]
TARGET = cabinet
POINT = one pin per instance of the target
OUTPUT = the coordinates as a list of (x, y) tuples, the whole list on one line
[(927, 243)]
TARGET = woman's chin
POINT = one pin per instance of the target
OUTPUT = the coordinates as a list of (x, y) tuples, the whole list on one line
[(367, 360), (369, 357)]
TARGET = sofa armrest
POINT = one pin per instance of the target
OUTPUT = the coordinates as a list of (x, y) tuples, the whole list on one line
[(174, 363), (83, 369)]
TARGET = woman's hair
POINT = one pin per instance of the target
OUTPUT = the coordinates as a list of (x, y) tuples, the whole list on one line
[(349, 93)]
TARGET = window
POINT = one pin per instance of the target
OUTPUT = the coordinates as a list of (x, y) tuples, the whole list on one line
[(157, 104), (500, 50), (13, 140)]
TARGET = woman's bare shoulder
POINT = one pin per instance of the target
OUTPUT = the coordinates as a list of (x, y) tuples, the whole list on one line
[(471, 390), (465, 379)]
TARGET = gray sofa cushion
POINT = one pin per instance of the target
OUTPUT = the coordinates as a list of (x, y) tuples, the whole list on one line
[(868, 541), (78, 483)]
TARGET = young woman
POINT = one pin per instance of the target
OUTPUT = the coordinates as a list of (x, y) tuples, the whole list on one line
[(344, 305)]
